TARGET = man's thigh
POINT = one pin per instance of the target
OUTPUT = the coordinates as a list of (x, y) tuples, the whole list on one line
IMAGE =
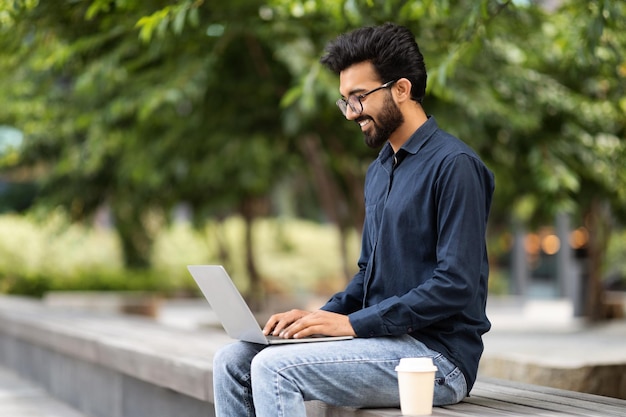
[(357, 372)]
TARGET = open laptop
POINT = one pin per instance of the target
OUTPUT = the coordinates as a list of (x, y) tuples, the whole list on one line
[(232, 310)]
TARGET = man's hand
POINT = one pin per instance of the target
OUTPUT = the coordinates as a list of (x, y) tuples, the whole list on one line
[(298, 323)]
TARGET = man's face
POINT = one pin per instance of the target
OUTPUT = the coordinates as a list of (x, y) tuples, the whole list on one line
[(380, 117)]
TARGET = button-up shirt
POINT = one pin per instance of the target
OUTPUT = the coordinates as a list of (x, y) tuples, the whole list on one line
[(423, 266)]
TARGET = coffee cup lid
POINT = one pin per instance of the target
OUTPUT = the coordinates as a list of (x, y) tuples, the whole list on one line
[(424, 364)]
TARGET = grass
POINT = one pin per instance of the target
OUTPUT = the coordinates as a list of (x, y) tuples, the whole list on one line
[(292, 256)]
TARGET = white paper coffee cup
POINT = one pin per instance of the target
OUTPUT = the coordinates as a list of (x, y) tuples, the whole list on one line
[(416, 382)]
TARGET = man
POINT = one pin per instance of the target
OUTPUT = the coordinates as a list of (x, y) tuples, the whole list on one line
[(422, 283)]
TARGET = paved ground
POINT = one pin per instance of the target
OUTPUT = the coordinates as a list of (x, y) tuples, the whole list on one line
[(20, 398)]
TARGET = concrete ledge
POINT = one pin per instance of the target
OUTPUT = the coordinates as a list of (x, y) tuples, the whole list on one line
[(68, 352), (108, 365)]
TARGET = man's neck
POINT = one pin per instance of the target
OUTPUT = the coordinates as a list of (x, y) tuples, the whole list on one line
[(414, 117)]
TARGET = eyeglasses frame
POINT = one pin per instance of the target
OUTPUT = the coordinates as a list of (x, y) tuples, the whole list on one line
[(344, 103)]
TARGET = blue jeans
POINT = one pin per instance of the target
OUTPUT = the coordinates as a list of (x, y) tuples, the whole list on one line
[(275, 381)]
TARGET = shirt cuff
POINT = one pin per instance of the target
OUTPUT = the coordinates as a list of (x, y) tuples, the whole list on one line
[(368, 323)]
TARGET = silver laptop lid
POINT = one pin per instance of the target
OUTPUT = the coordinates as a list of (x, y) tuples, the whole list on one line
[(232, 310), (227, 303)]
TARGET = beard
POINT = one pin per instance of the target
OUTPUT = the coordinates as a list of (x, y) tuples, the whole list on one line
[(389, 120)]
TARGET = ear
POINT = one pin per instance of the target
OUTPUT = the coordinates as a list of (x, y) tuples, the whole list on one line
[(403, 89)]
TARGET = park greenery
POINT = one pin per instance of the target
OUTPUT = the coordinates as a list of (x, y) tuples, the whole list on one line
[(141, 106), (297, 257)]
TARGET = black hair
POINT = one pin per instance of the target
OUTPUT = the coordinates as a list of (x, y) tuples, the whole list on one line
[(390, 48)]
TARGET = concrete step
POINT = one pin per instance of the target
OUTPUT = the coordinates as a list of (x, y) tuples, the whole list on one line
[(21, 398)]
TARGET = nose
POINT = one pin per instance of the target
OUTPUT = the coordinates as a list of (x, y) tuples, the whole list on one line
[(351, 114)]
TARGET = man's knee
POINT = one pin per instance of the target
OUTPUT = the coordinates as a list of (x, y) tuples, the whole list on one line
[(235, 356), (271, 365), (263, 363), (223, 356)]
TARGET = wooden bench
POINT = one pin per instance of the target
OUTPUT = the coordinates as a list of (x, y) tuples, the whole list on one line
[(108, 365)]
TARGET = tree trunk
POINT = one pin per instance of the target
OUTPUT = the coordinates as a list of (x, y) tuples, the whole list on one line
[(334, 203), (135, 239), (599, 234), (256, 296), (223, 252)]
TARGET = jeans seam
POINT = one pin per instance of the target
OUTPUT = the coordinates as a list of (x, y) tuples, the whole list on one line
[(247, 395), (335, 361)]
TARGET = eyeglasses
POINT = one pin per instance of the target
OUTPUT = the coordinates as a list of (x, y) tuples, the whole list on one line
[(354, 101)]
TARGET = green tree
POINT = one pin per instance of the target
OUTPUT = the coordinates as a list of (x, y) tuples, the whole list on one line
[(552, 118), (117, 113)]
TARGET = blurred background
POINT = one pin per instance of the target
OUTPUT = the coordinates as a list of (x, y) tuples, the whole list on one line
[(137, 137)]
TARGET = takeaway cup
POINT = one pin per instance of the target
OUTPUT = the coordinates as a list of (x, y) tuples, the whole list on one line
[(416, 382)]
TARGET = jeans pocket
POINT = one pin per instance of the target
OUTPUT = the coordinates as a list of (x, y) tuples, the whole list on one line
[(450, 384)]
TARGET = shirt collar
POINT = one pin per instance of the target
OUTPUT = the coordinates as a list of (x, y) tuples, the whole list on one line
[(413, 144), (421, 136)]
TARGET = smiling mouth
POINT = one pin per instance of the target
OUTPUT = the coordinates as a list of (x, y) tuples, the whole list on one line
[(364, 122)]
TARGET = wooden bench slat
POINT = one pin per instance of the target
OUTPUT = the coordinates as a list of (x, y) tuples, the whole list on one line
[(511, 407), (497, 384), (471, 407), (555, 400), (551, 395)]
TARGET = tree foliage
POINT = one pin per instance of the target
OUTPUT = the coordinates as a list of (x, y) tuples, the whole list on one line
[(141, 125), (141, 105)]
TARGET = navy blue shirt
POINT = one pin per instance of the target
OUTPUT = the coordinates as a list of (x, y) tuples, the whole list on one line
[(423, 266)]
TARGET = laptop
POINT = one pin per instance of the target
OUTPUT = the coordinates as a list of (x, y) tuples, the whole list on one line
[(232, 310)]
